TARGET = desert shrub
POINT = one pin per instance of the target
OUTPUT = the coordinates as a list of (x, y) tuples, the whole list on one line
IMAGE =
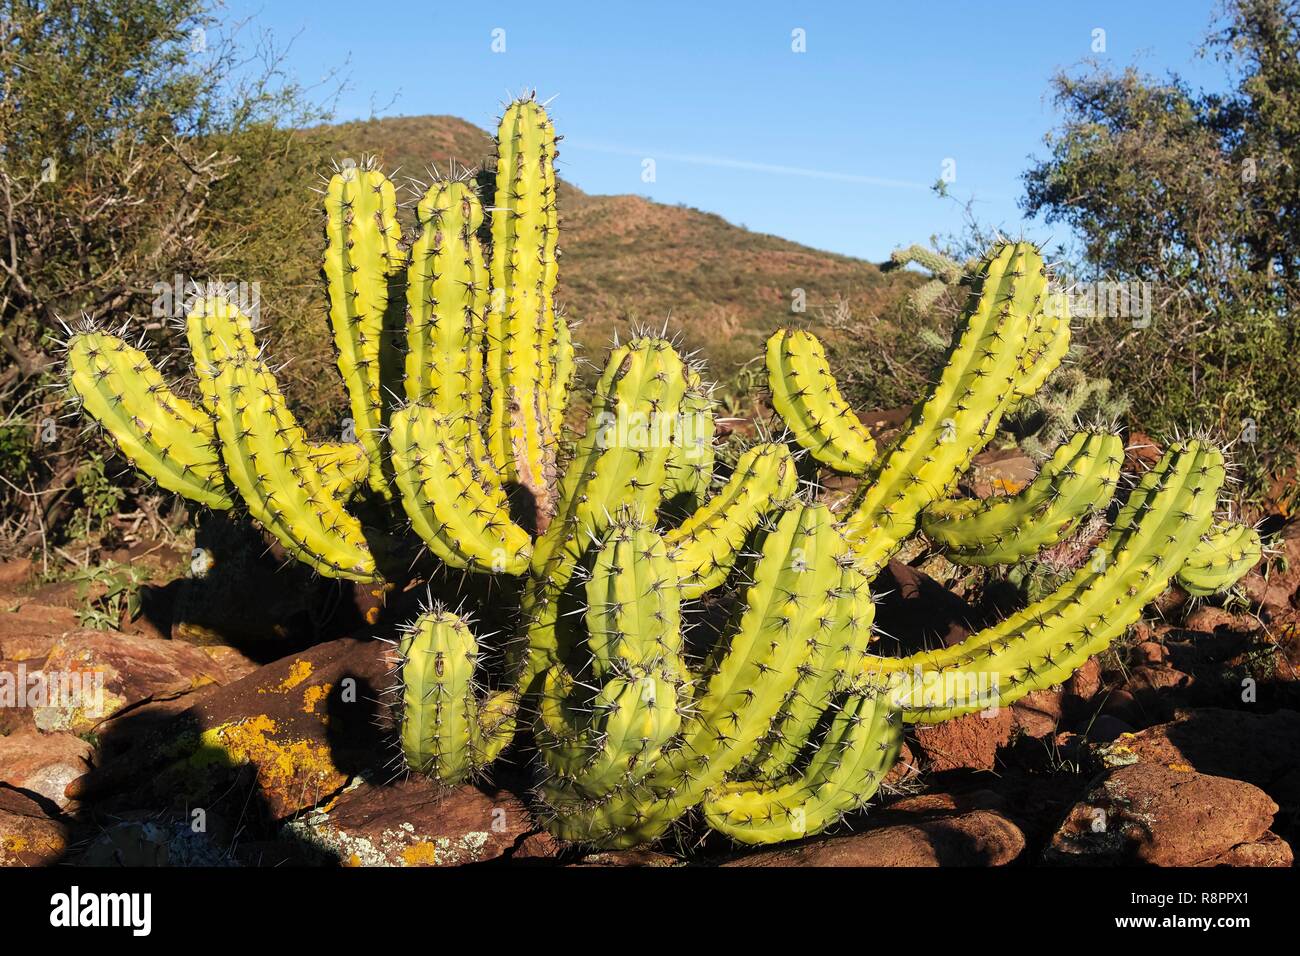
[(140, 140), (1195, 193)]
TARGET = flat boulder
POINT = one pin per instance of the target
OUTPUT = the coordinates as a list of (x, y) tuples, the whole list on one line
[(1148, 813), (411, 822)]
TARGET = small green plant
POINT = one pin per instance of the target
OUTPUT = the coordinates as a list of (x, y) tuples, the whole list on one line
[(100, 497), (109, 595)]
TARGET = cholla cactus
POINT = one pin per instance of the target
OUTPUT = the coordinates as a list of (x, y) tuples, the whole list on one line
[(788, 719)]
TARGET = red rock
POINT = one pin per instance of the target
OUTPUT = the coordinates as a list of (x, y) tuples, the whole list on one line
[(1160, 679), (971, 741), (1150, 654), (539, 846), (933, 804), (133, 669), (1037, 714), (1210, 619), (412, 823), (1122, 705), (43, 763), (978, 838), (15, 572), (31, 630), (1269, 850), (300, 728), (1261, 749), (1152, 814), (28, 836), (1084, 684), (1002, 472)]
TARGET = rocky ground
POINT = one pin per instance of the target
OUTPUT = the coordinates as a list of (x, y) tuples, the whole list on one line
[(245, 725)]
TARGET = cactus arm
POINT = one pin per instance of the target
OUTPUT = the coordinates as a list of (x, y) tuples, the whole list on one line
[(439, 657), (465, 522), (521, 318), (614, 741), (363, 251), (620, 461), (159, 432), (445, 298), (634, 636), (564, 368), (947, 271), (448, 729), (1157, 529), (216, 329), (498, 719), (633, 601), (806, 397), (836, 662), (963, 408), (706, 544), (1226, 552), (690, 466), (1047, 347), (266, 459), (1079, 478), (859, 748)]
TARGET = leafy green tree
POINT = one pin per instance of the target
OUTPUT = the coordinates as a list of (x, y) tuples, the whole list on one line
[(1196, 192)]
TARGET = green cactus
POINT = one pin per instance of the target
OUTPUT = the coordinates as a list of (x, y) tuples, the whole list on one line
[(363, 255), (527, 350), (156, 430), (945, 273), (450, 728), (1226, 552), (269, 461), (805, 395), (1079, 479), (789, 720)]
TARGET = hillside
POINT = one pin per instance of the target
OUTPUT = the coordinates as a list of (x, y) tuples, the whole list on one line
[(627, 260)]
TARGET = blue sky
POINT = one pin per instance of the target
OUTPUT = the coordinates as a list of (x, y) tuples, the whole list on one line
[(835, 147)]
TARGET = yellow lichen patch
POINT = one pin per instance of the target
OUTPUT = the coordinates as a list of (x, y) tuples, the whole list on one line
[(1182, 767), (299, 671), (290, 770), (1008, 486), (420, 854), (313, 695)]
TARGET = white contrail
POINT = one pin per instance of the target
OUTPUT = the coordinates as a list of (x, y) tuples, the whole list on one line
[(725, 162)]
